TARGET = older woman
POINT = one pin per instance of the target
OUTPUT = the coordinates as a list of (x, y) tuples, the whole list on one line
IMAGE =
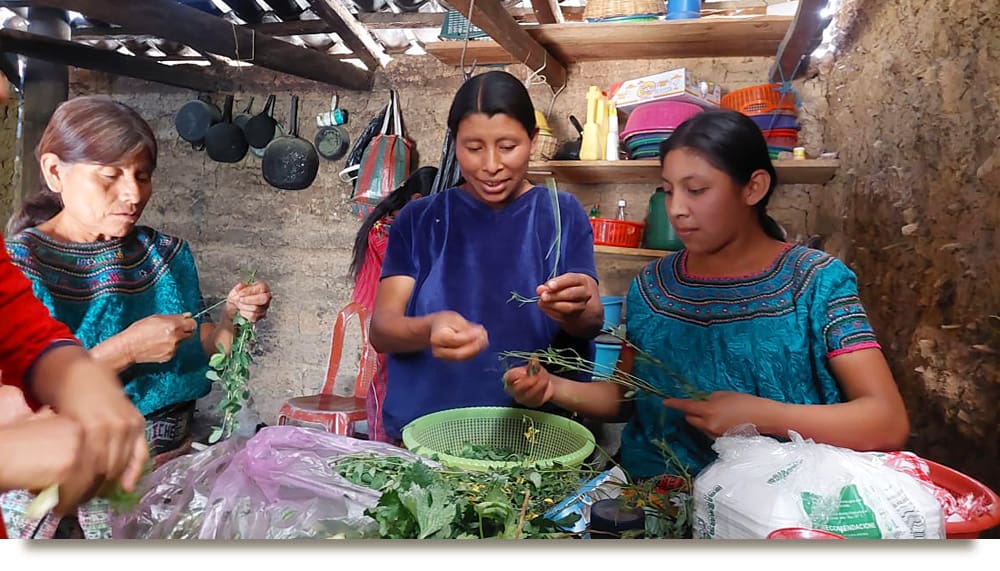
[(128, 292)]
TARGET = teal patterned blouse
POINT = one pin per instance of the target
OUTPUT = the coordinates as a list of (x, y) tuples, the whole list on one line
[(98, 289), (770, 334)]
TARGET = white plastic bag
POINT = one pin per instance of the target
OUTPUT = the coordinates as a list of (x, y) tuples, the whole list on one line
[(759, 484)]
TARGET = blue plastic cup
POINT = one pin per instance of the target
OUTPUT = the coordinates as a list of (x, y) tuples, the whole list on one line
[(683, 9)]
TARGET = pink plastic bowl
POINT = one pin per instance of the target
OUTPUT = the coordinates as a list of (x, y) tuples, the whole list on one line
[(659, 116)]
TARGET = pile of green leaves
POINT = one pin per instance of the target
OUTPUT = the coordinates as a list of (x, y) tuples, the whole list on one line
[(482, 452), (419, 501), (232, 370)]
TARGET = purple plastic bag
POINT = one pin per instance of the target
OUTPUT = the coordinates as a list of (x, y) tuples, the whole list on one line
[(276, 485)]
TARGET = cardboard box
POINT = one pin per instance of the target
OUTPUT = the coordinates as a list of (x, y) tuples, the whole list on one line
[(677, 85)]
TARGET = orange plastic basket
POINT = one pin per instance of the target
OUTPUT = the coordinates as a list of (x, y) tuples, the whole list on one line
[(959, 484), (759, 100), (622, 233)]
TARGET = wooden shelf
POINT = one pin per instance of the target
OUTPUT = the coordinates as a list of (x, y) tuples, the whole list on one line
[(660, 39), (810, 171), (635, 252)]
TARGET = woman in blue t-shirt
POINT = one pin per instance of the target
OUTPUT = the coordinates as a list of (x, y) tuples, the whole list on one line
[(443, 309), (775, 334)]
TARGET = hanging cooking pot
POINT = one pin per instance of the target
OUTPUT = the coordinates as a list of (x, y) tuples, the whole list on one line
[(290, 162), (241, 119), (259, 129), (224, 141), (331, 138), (194, 119)]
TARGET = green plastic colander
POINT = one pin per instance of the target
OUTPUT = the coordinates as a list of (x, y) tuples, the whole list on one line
[(557, 440)]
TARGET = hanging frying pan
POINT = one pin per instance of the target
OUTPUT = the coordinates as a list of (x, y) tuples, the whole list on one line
[(290, 162), (194, 119), (259, 129), (224, 141), (241, 119), (279, 131)]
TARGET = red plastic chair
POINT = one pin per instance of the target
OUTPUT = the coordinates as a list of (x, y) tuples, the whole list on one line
[(336, 413)]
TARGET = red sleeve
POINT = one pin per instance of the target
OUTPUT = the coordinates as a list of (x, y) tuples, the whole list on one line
[(27, 329)]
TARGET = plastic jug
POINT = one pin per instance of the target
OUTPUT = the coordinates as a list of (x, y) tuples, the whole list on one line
[(659, 234)]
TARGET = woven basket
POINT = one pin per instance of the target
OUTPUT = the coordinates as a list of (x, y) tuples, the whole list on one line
[(603, 9), (546, 145), (441, 435)]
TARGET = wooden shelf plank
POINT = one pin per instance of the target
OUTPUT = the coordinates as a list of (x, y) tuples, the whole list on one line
[(578, 41), (810, 171), (634, 252)]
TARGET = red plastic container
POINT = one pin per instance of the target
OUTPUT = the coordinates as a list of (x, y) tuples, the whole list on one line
[(959, 484), (802, 533), (759, 100), (621, 233)]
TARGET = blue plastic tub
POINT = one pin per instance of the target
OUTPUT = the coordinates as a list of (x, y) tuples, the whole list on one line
[(612, 310), (605, 358), (683, 9)]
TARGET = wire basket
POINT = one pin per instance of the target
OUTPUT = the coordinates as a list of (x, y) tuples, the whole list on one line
[(759, 100), (621, 233), (546, 145), (556, 439), (455, 26), (604, 9)]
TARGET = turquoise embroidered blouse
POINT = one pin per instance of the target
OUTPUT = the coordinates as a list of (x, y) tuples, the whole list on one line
[(770, 334), (98, 289)]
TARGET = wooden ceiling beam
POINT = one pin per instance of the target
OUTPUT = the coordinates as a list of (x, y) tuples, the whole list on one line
[(205, 32), (547, 11), (491, 17), (801, 39), (86, 57), (352, 32)]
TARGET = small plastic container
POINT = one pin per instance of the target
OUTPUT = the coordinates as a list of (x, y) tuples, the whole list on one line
[(611, 518), (612, 310), (607, 349), (683, 9)]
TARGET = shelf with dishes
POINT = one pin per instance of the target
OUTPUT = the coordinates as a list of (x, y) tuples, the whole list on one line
[(808, 171)]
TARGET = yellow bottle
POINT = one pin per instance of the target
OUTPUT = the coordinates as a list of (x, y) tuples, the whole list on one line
[(602, 125), (590, 146)]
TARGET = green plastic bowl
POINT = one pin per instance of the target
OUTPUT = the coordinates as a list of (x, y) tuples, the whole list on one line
[(558, 440)]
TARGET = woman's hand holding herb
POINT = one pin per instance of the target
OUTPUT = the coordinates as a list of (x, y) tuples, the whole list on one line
[(723, 410), (154, 339), (453, 338), (251, 301), (530, 385), (574, 302)]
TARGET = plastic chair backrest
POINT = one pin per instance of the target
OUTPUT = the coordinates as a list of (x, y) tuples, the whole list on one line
[(368, 362)]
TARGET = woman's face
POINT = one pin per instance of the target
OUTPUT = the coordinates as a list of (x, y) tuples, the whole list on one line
[(493, 155), (101, 202), (706, 207)]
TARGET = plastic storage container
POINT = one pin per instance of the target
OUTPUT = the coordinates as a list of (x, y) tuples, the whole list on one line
[(607, 349), (683, 9), (659, 233), (612, 310)]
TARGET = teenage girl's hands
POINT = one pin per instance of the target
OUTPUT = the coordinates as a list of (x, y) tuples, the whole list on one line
[(453, 338), (723, 410), (530, 385), (250, 301), (155, 339)]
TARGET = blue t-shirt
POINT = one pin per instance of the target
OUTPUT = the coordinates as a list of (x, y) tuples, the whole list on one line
[(468, 258), (770, 334)]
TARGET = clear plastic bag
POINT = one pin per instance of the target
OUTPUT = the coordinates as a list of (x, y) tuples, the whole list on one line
[(276, 485), (759, 484)]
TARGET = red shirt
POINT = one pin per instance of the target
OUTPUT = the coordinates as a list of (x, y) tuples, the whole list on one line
[(27, 331), (371, 268)]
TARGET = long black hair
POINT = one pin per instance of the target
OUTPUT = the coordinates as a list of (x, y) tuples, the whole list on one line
[(419, 181), (491, 93), (734, 144)]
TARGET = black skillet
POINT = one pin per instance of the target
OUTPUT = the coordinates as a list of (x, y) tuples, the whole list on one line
[(194, 119), (241, 119), (224, 141), (290, 162), (259, 129)]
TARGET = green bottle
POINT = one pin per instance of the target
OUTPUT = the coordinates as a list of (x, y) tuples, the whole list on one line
[(659, 233)]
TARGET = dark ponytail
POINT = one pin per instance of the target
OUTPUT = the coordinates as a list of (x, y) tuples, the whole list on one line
[(734, 144), (92, 129), (420, 181)]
